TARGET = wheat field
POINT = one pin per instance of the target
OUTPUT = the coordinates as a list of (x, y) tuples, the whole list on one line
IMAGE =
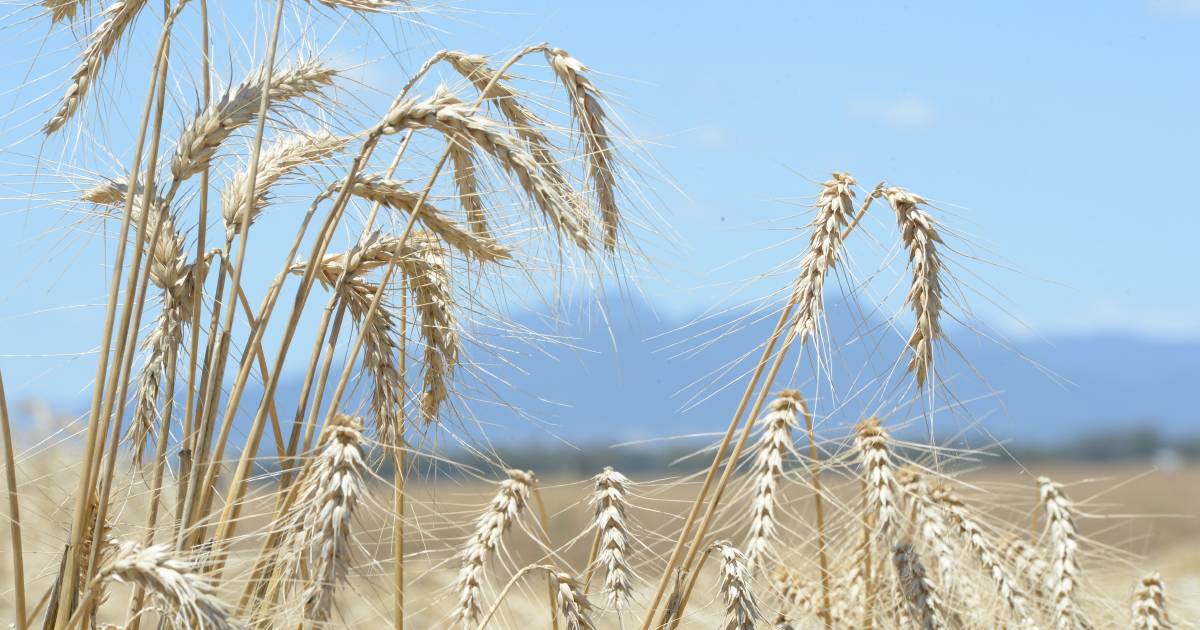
[(190, 494)]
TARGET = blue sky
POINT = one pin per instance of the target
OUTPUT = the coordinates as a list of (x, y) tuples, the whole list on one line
[(1059, 138)]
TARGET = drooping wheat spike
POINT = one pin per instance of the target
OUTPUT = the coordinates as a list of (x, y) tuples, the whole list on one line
[(466, 181), (610, 502), (184, 596), (429, 282), (773, 446), (362, 6), (63, 9), (1064, 545), (573, 605), (1031, 569), (118, 16), (919, 233), (507, 505), (984, 551), (391, 193), (741, 608), (238, 106), (589, 117), (458, 122), (525, 124), (835, 207), (317, 528), (1150, 604), (796, 595), (275, 162), (916, 587), (871, 443)]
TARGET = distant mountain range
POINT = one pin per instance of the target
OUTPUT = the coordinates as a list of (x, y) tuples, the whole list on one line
[(639, 378)]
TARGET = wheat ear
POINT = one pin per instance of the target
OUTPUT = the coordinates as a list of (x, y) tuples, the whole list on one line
[(934, 533), (871, 443), (1031, 568), (917, 589), (610, 501), (180, 590), (589, 117), (506, 506), (319, 525), (573, 605), (362, 6), (391, 193), (62, 9), (1064, 544), (773, 446), (118, 16), (973, 535), (458, 122), (741, 608), (835, 207), (237, 107), (1150, 604), (794, 593), (919, 233), (275, 162)]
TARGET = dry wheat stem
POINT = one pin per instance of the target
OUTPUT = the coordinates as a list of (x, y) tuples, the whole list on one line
[(118, 16), (773, 446), (610, 501), (919, 233), (917, 589), (1150, 604), (14, 512)]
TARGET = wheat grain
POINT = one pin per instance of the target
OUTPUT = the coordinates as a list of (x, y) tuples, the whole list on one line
[(773, 446), (118, 16), (238, 106), (458, 122), (610, 502), (186, 597), (973, 535), (274, 163), (741, 608), (919, 233), (871, 443), (589, 117), (392, 194), (318, 527), (507, 505), (918, 590), (1150, 604), (1064, 544)]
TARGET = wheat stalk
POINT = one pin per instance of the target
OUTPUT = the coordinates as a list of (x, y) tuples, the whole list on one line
[(871, 443), (459, 122), (918, 590), (773, 445), (391, 193), (118, 16), (318, 527), (741, 608), (506, 506), (610, 502), (1064, 544), (919, 233), (180, 590), (972, 533), (589, 117), (1150, 604), (237, 107), (275, 162), (572, 603)]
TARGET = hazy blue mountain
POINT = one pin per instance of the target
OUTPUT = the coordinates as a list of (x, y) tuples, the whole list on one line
[(634, 379)]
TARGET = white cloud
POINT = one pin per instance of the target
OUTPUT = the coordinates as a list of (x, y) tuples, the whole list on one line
[(1176, 7), (904, 113)]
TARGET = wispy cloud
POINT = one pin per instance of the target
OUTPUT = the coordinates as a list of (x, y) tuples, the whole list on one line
[(1176, 7), (904, 113)]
